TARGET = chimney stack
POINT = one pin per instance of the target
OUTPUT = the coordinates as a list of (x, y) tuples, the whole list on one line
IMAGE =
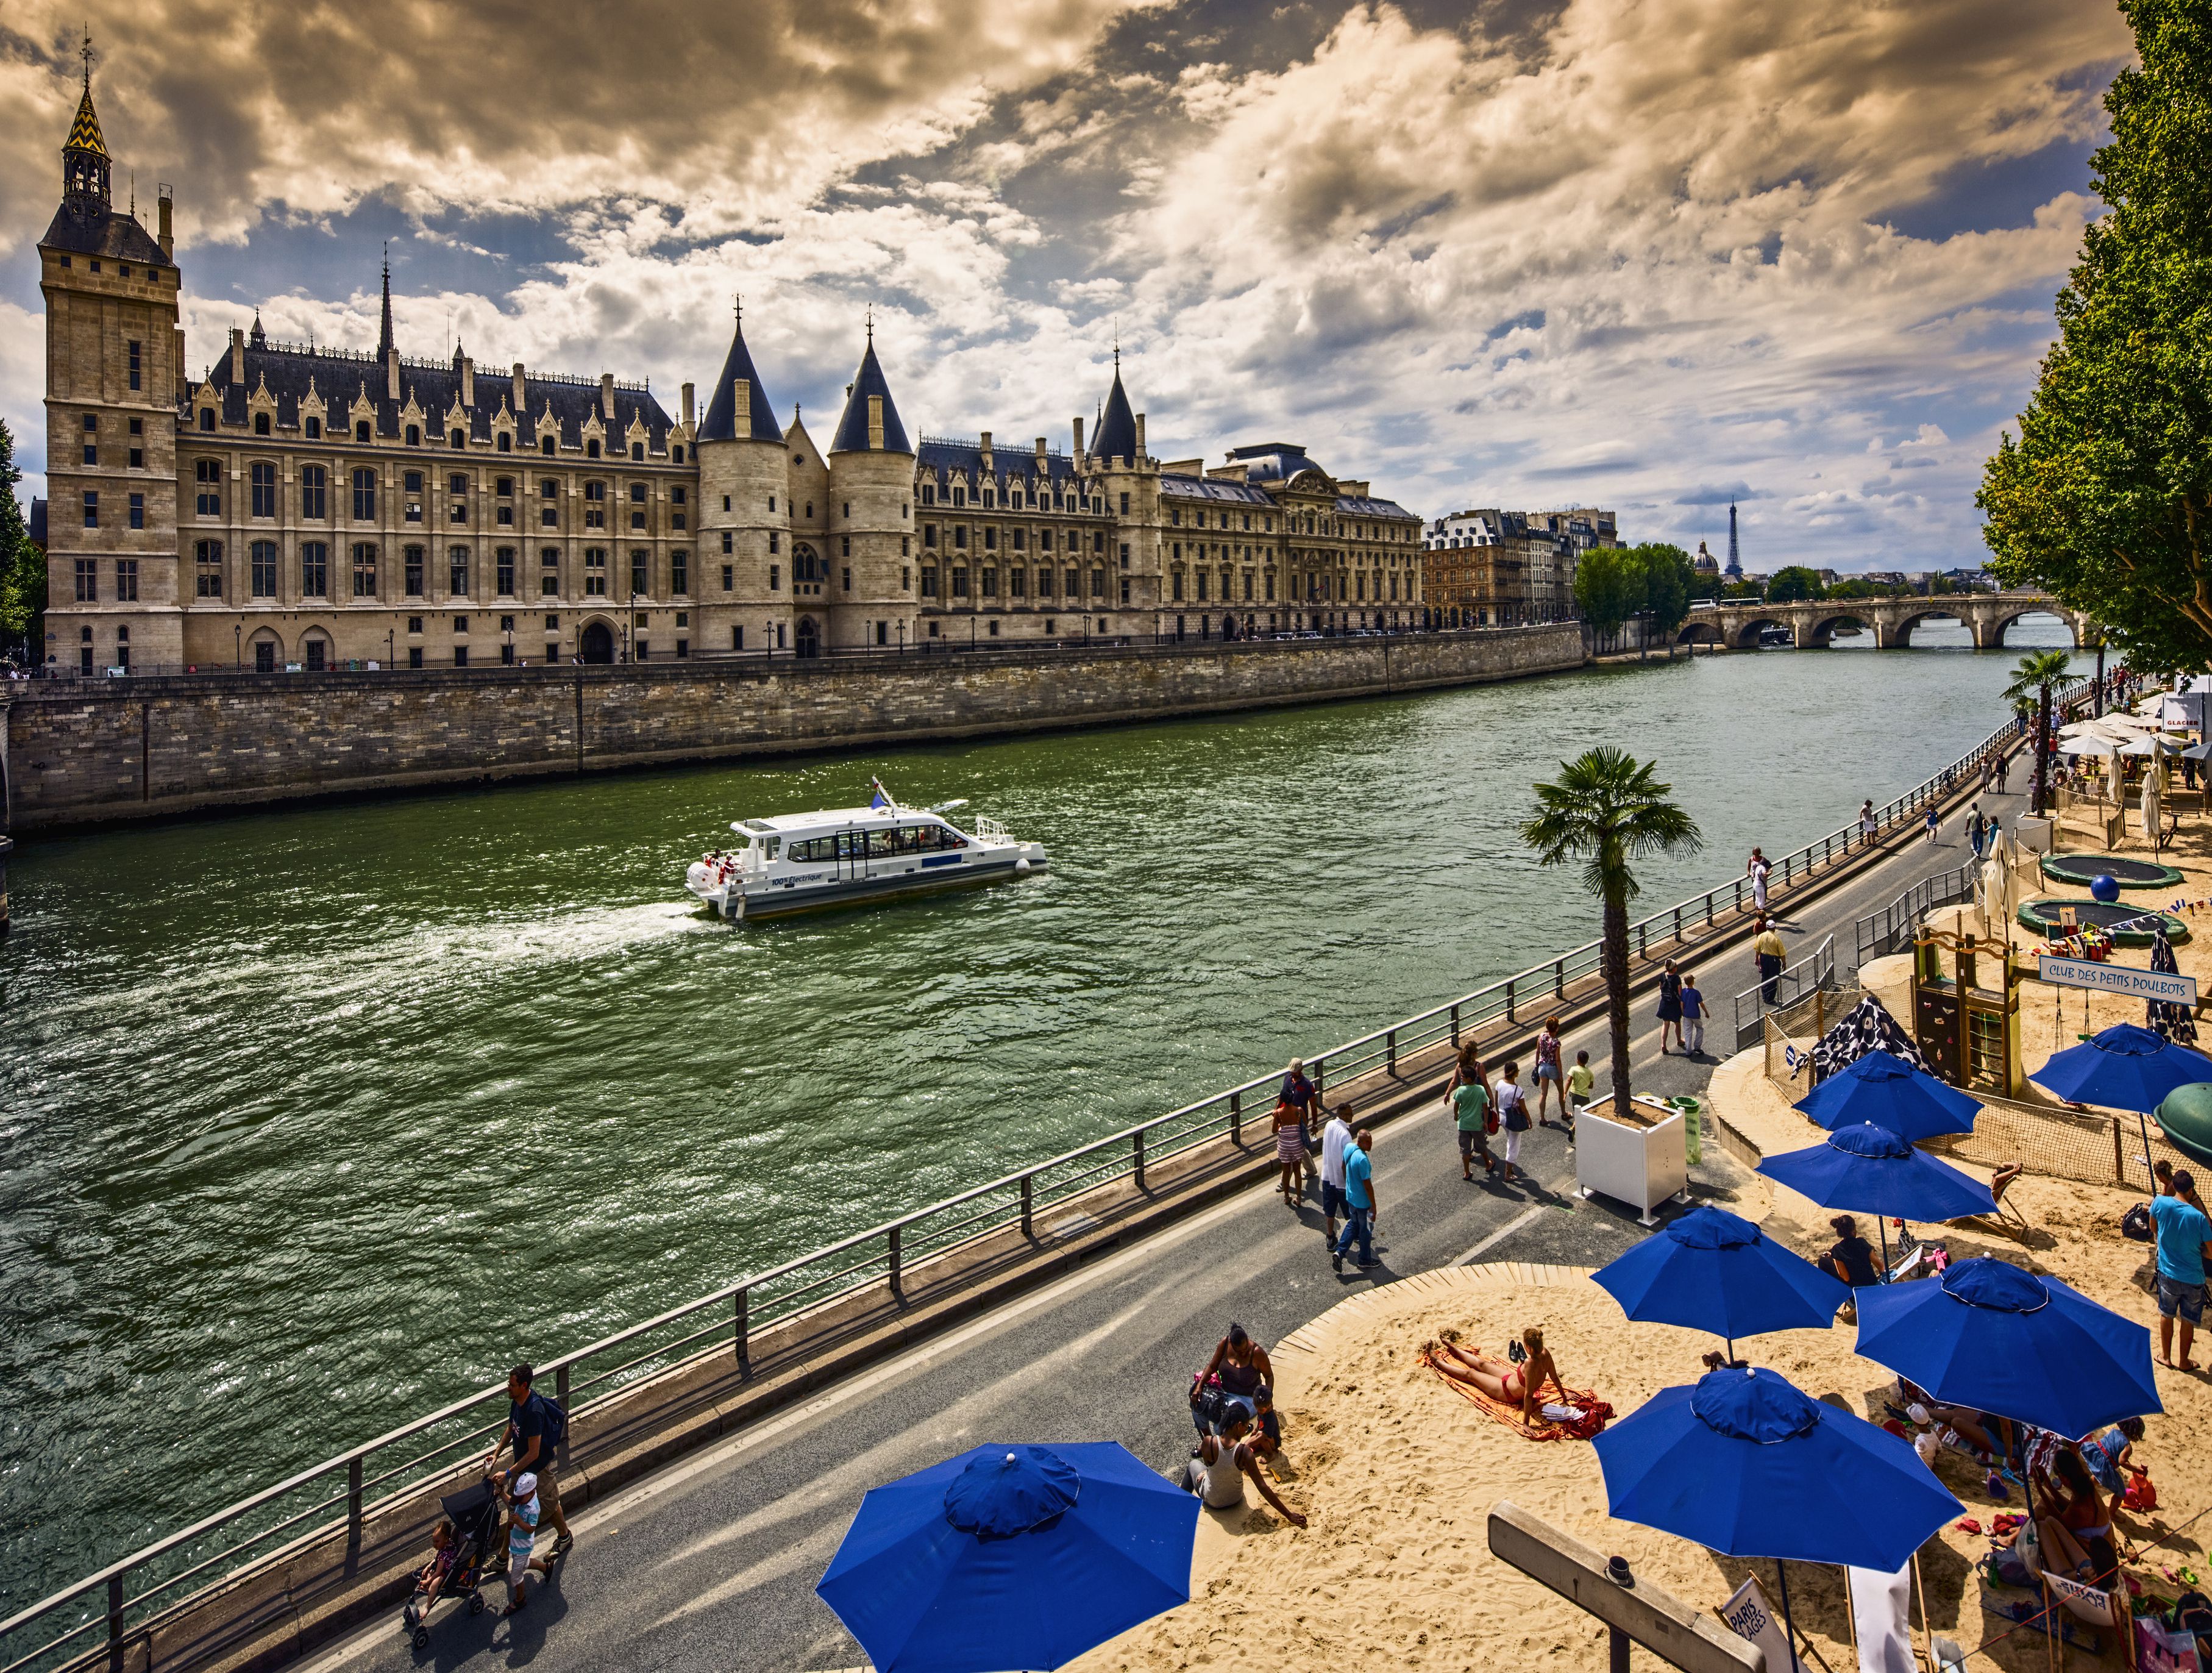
[(1040, 447), (168, 236), (468, 381), (1078, 442), (1140, 440), (392, 376), (986, 442), (238, 357), (687, 407), (520, 401), (607, 396)]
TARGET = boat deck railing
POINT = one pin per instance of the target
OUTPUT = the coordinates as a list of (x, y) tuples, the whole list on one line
[(139, 1592)]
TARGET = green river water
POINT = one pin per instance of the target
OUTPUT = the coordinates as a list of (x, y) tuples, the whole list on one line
[(312, 1120)]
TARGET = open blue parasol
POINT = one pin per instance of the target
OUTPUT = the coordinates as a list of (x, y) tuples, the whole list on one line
[(1745, 1463), (1870, 1169), (1712, 1270), (1885, 1091), (1010, 1557), (1990, 1336), (2124, 1068)]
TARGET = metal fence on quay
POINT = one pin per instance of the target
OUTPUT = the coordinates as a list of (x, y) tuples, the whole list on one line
[(138, 1592)]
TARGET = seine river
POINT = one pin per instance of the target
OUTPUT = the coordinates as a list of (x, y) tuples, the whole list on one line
[(312, 1120)]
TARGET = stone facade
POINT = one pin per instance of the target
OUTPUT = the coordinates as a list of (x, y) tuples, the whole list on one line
[(296, 506), (128, 749), (1490, 566)]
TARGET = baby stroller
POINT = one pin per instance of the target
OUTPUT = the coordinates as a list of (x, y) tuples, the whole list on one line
[(471, 1527)]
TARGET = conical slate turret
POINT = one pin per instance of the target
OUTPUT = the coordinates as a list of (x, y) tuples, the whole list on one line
[(1116, 437), (722, 423), (855, 431)]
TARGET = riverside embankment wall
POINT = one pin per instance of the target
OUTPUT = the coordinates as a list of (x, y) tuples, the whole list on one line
[(81, 752)]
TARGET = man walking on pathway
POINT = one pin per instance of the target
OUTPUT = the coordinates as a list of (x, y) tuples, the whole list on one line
[(1869, 827), (2184, 1235), (1931, 821), (1335, 1137), (535, 1428), (1693, 1016), (1358, 1202), (1471, 1110), (1977, 830), (1773, 958)]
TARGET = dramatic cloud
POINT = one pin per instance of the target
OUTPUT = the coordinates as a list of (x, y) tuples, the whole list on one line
[(1650, 254)]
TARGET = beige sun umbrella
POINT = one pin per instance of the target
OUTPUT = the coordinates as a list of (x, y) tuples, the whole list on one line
[(2147, 808)]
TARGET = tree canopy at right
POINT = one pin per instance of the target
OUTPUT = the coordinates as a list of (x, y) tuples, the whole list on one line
[(2106, 498)]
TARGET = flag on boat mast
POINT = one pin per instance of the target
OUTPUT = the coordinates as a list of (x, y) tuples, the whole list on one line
[(881, 799)]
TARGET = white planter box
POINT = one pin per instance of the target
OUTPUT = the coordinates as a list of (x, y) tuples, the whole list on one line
[(1642, 1166)]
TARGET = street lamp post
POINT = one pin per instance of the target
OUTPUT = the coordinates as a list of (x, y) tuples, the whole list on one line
[(238, 646), (390, 648)]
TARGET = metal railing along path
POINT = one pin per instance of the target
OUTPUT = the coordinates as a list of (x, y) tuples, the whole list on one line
[(1891, 929), (140, 1591)]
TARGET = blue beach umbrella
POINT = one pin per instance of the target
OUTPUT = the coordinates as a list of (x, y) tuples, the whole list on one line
[(1744, 1463), (1011, 1558), (1884, 1090), (1869, 1169), (1712, 1270), (1992, 1337), (2124, 1068)]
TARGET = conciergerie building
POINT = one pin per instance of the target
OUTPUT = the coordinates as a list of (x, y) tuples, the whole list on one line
[(298, 506)]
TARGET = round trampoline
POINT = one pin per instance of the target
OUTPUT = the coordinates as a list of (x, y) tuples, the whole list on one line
[(2080, 870), (2042, 918)]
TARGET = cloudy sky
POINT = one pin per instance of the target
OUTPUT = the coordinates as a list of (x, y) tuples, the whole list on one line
[(1650, 255)]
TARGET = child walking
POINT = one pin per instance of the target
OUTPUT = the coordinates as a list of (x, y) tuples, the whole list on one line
[(1693, 1016)]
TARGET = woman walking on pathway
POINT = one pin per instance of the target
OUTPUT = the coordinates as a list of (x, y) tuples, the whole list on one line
[(1512, 1115), (1756, 868), (1547, 1071), (1931, 821), (1290, 1123), (1670, 1008)]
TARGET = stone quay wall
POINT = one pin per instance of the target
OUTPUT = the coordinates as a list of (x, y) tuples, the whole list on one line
[(85, 753)]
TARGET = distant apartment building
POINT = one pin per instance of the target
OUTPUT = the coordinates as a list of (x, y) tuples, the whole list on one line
[(1489, 567)]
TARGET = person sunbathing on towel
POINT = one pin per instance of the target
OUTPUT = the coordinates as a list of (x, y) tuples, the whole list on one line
[(1521, 1385)]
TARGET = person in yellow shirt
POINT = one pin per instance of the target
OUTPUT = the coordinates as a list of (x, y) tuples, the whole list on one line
[(1580, 1080), (1773, 958)]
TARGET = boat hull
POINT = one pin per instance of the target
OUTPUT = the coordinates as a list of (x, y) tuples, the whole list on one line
[(762, 904)]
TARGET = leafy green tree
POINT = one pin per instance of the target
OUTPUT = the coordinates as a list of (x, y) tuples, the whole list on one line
[(2035, 675), (1603, 595), (1704, 588), (1606, 811), (1793, 585), (1857, 586), (1664, 576), (22, 565), (2106, 496)]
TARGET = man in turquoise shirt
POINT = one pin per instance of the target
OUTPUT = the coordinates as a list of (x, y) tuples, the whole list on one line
[(1358, 1202), (2184, 1232)]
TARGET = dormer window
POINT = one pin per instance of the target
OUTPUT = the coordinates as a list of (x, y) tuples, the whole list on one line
[(261, 424), (360, 430), (414, 436), (637, 453), (959, 496), (207, 418), (675, 454), (591, 450), (314, 429), (929, 493), (460, 439)]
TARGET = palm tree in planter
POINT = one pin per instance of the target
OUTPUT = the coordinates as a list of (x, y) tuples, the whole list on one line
[(2037, 673), (1606, 811)]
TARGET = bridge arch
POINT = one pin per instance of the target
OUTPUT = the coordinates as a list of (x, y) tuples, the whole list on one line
[(1897, 634), (1992, 636), (1822, 628), (1744, 636), (1697, 632)]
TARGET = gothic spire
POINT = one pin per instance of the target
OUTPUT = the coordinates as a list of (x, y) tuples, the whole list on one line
[(724, 421), (384, 348), (84, 152), (869, 393)]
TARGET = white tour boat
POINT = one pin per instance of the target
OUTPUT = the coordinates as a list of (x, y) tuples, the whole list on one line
[(795, 862)]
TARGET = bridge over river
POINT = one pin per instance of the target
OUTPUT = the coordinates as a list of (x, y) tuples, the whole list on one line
[(1738, 623)]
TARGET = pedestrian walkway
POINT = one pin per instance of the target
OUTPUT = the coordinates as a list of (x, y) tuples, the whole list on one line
[(711, 1563)]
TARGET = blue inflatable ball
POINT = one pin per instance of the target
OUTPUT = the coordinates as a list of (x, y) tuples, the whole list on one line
[(2105, 888)]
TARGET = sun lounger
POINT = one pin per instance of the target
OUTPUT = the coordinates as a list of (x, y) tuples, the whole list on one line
[(1881, 1619)]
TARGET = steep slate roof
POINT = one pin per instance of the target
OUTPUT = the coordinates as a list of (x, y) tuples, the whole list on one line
[(1211, 488), (1357, 505), (1117, 427), (340, 377), (852, 435), (938, 459), (721, 423), (104, 232)]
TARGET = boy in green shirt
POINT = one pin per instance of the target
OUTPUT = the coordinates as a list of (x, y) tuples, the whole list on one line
[(1580, 1080)]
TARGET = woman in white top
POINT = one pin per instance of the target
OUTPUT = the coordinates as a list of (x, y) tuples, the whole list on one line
[(1217, 1469), (1757, 868)]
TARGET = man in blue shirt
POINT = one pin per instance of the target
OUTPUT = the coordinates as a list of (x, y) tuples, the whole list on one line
[(1358, 1202), (2184, 1233)]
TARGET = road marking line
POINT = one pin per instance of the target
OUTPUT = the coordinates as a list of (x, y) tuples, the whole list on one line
[(1527, 1217)]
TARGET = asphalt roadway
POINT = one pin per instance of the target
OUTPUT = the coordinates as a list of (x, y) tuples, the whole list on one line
[(711, 1564)]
